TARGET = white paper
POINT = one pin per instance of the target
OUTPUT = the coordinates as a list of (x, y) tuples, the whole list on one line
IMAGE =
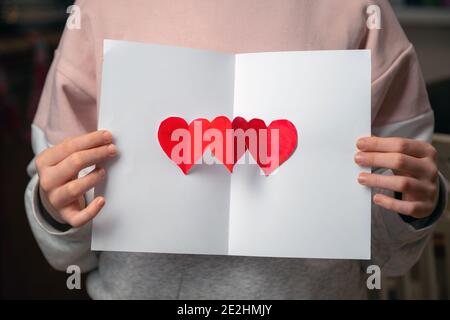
[(312, 207)]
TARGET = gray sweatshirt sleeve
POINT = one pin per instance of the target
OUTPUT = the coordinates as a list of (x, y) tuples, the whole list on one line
[(397, 243), (60, 248), (67, 108)]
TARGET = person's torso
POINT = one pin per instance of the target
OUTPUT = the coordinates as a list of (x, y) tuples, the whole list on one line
[(230, 26), (170, 276)]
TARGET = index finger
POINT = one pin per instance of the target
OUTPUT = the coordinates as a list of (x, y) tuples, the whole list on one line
[(91, 140), (414, 148)]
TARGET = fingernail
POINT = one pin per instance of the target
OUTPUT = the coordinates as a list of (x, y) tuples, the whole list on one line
[(361, 143), (112, 150), (102, 172), (362, 178), (359, 158), (376, 199), (101, 202), (107, 137)]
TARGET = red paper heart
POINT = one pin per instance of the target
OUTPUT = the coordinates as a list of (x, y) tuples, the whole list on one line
[(262, 150), (194, 140), (220, 148), (229, 153)]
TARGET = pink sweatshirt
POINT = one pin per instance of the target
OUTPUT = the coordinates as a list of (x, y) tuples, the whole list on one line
[(69, 107)]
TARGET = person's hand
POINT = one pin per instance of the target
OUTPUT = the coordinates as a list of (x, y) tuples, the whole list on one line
[(415, 173), (61, 191)]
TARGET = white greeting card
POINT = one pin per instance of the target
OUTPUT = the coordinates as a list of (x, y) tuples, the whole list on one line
[(311, 206)]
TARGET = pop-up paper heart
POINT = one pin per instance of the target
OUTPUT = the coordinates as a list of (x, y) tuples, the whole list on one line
[(174, 141), (267, 154), (229, 153)]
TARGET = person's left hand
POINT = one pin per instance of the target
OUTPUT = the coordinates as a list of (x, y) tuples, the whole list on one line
[(413, 163)]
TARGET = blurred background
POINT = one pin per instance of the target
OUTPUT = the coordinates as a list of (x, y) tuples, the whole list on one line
[(29, 33)]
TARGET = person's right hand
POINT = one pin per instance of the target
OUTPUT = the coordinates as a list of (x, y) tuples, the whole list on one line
[(61, 191)]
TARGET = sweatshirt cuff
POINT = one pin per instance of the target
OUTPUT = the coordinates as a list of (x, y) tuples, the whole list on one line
[(47, 217)]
